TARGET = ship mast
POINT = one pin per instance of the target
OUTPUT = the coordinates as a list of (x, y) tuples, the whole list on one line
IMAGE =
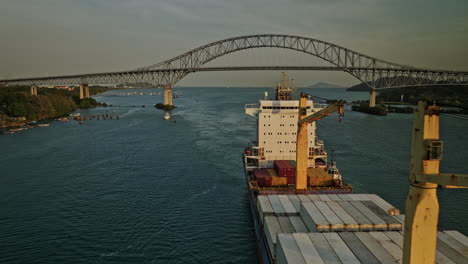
[(283, 92)]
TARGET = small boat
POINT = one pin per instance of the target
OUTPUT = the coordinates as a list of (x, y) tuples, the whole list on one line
[(17, 129), (167, 116), (43, 125), (63, 119)]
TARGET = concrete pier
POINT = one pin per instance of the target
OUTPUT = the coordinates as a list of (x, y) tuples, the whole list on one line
[(34, 90), (372, 97), (168, 96), (84, 91)]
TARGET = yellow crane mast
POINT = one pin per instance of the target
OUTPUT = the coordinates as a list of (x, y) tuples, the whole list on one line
[(302, 136), (422, 205)]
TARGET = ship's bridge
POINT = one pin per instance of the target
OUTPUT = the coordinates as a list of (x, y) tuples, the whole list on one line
[(277, 106)]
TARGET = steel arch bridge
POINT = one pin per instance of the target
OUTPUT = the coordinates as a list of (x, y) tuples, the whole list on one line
[(376, 73)]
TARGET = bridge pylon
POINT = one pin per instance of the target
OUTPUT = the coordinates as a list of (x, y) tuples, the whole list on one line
[(168, 95), (84, 91), (372, 97), (34, 90)]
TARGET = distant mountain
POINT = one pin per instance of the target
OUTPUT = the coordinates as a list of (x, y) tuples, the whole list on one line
[(362, 87), (324, 85)]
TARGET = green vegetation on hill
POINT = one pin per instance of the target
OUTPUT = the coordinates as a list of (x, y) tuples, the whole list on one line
[(16, 102), (365, 108), (448, 95), (443, 95)]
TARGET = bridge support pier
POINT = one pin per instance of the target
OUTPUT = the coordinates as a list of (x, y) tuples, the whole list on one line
[(168, 96), (84, 91), (34, 90), (372, 97)]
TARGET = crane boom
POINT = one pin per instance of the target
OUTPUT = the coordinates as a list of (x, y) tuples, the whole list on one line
[(339, 106), (303, 139)]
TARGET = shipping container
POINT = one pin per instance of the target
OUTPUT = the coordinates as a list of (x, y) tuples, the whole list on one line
[(263, 177), (272, 172), (293, 163), (267, 181), (261, 173), (319, 177), (264, 181), (279, 181), (284, 168)]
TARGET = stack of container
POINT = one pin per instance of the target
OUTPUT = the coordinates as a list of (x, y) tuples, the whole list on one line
[(263, 177), (284, 173), (286, 168), (268, 178)]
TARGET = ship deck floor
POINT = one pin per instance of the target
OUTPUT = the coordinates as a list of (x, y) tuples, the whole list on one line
[(342, 228)]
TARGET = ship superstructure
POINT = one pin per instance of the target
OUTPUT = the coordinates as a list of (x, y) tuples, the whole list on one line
[(270, 160), (277, 129)]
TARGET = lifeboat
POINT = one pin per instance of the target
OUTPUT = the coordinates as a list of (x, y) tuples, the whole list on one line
[(247, 151)]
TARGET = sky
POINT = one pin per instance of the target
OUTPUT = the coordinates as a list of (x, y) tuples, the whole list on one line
[(55, 37)]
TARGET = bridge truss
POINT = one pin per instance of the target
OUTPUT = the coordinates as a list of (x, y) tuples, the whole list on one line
[(376, 73)]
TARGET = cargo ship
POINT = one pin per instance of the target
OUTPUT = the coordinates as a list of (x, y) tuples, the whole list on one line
[(302, 210)]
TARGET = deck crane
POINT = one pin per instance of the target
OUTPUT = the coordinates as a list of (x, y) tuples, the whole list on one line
[(422, 205), (302, 136)]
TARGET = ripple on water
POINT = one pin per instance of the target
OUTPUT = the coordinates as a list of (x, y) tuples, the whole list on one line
[(144, 190)]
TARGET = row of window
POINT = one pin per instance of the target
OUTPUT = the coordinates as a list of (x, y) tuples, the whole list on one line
[(281, 125), (282, 107), (281, 151), (291, 116), (281, 133), (311, 154), (287, 142)]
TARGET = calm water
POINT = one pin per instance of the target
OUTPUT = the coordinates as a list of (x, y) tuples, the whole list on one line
[(144, 190)]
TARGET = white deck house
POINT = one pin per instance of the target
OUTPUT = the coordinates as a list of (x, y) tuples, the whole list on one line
[(277, 132)]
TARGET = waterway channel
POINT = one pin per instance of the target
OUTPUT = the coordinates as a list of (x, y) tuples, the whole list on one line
[(140, 189)]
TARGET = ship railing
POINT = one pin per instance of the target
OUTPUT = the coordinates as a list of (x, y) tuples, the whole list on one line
[(320, 153), (251, 166), (319, 164), (250, 106), (318, 105)]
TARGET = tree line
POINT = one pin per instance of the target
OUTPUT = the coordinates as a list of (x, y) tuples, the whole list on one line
[(16, 101)]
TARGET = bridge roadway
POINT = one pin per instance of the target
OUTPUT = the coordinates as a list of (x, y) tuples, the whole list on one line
[(376, 73)]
